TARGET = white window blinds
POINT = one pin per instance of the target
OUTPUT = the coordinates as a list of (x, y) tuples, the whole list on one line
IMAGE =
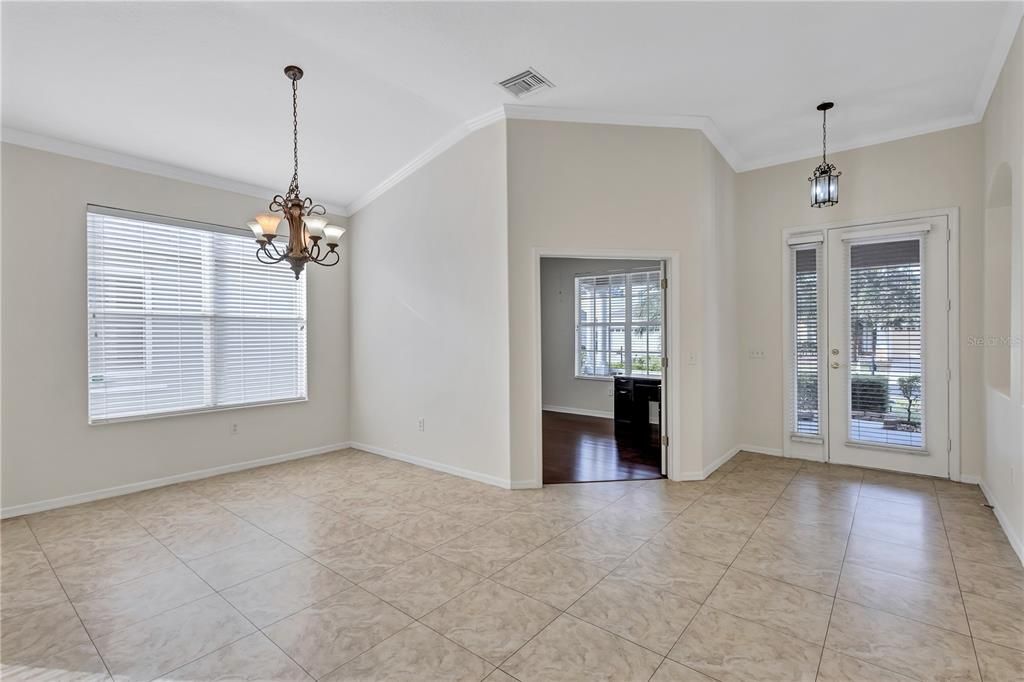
[(806, 405), (183, 318), (886, 392), (618, 324)]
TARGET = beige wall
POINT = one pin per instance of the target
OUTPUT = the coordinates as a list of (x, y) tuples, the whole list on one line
[(934, 171), (1003, 131), (608, 187), (49, 450), (429, 313), (558, 333)]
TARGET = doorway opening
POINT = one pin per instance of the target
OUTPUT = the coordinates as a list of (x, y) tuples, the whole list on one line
[(603, 354)]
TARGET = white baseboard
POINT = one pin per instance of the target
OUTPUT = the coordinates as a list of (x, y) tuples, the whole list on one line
[(710, 468), (525, 485), (760, 450), (971, 479), (579, 411), (436, 466), (1015, 540), (79, 498)]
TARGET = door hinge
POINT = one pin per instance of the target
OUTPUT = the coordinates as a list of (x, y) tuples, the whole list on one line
[(949, 305), (949, 234), (949, 445), (664, 283), (949, 375), (664, 441), (664, 362)]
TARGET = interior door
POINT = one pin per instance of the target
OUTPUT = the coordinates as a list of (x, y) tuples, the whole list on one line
[(887, 359)]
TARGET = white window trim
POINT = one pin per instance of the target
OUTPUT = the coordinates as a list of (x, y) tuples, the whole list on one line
[(628, 324), (209, 227)]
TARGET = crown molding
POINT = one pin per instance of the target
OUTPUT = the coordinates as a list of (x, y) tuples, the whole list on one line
[(861, 142), (135, 163), (1000, 50), (423, 158)]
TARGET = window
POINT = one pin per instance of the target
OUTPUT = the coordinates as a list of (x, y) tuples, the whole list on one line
[(618, 324), (805, 420), (183, 318)]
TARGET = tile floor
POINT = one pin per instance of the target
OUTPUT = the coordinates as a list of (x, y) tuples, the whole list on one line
[(353, 567)]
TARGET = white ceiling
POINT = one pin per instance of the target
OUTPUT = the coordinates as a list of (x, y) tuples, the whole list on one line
[(199, 86)]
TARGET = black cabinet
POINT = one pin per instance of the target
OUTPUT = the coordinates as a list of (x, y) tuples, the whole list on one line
[(633, 396)]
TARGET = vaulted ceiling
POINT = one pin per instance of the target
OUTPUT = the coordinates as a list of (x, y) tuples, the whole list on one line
[(199, 86)]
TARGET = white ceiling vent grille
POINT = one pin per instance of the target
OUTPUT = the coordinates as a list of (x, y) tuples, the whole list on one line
[(524, 83)]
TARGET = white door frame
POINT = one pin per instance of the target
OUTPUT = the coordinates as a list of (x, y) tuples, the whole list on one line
[(952, 216), (670, 379)]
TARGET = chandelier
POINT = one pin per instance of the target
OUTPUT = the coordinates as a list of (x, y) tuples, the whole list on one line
[(307, 227), (825, 180)]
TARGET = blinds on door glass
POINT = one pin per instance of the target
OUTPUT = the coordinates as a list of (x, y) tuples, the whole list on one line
[(618, 324), (182, 317), (805, 410), (885, 371)]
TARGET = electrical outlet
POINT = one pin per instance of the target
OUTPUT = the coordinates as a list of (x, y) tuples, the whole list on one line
[(234, 429), (421, 424), (611, 390), (757, 355), (691, 358)]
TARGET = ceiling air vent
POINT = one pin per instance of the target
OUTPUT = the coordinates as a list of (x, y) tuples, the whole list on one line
[(524, 83)]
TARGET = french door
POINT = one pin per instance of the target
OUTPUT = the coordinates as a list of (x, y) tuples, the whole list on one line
[(869, 335)]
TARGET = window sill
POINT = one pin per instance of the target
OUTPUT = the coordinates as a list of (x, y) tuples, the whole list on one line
[(184, 413)]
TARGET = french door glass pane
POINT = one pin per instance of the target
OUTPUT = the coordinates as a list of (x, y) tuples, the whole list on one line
[(885, 360), (806, 418)]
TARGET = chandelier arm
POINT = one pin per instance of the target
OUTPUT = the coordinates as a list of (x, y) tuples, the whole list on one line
[(268, 259), (324, 261)]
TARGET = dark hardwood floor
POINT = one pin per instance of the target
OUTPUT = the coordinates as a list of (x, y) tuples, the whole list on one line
[(579, 449)]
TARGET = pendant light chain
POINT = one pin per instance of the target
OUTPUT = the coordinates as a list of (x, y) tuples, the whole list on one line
[(824, 136), (293, 188)]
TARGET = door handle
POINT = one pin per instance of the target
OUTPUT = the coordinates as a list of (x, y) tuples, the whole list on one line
[(835, 365)]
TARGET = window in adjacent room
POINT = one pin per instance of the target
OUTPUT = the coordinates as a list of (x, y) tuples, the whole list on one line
[(618, 324), (183, 318)]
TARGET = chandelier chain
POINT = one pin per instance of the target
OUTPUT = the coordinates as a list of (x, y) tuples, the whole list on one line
[(293, 188), (824, 136)]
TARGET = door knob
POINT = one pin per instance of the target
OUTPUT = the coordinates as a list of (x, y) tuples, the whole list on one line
[(835, 365), (835, 351)]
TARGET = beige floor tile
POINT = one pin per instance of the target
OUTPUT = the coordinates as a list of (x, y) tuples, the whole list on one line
[(498, 675), (162, 523), (166, 642), (930, 565), (552, 578), (801, 565), (826, 537), (36, 635), (115, 608), (368, 556), (491, 620), (483, 550), (594, 545), (202, 541), (332, 632), (706, 542), (415, 654), (793, 610), (15, 533), (670, 671), (384, 514), (711, 515), (642, 614), (945, 488), (474, 513), (753, 501), (925, 602), (638, 524), (729, 648), (837, 667), (254, 658), (159, 499), (1002, 583), (430, 529), (532, 526), (114, 567), (812, 511), (23, 589), (90, 543), (323, 531), (272, 596), (986, 548), (900, 644), (570, 649), (686, 575), (422, 584), (994, 621), (999, 663), (79, 663), (244, 562)]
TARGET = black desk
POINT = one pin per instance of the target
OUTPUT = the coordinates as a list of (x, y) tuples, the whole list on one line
[(632, 411)]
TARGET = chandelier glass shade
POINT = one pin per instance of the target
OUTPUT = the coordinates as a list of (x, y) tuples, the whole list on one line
[(825, 178), (310, 238)]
